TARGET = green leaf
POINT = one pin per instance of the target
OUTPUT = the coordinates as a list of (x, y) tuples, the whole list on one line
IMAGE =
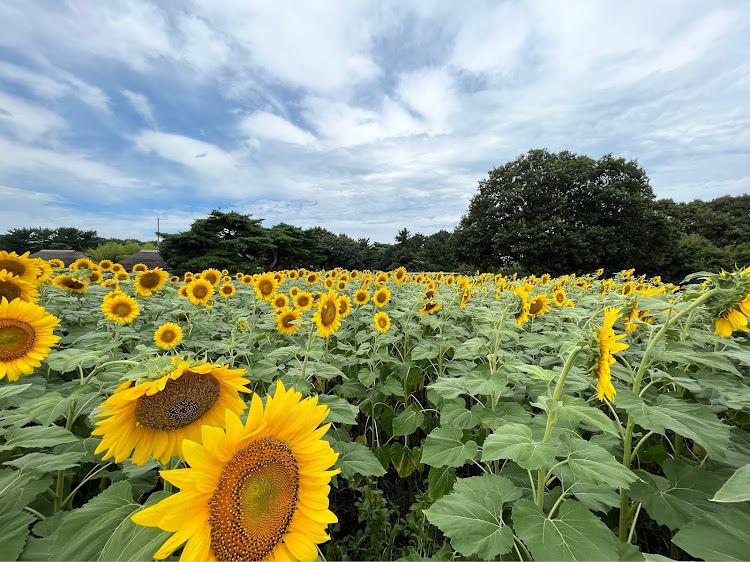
[(339, 410), (407, 421), (483, 382), (392, 386), (43, 463), (591, 463), (513, 441), (133, 542), (14, 530), (404, 459), (449, 387), (575, 534), (472, 515), (536, 372), (578, 410), (681, 497), (440, 481), (455, 414), (355, 458), (444, 446), (724, 535), (471, 349), (7, 391), (737, 488), (424, 351), (36, 436), (69, 359), (694, 421)]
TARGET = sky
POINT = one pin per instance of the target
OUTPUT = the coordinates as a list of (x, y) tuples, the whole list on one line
[(362, 117)]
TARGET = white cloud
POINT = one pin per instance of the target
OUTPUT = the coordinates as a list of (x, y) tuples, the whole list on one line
[(430, 92), (264, 125), (202, 157), (27, 121), (141, 105)]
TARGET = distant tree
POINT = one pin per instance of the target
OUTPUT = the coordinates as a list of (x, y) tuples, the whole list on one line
[(75, 239), (338, 250), (22, 240), (117, 251), (291, 248), (563, 213), (222, 240)]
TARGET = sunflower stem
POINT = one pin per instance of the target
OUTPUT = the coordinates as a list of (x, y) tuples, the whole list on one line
[(307, 350)]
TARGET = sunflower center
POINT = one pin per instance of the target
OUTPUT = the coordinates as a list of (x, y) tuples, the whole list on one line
[(328, 314), (381, 297), (266, 288), (200, 291), (167, 335), (9, 290), (211, 278), (122, 310), (227, 290), (303, 301), (559, 297), (382, 322), (73, 284), (150, 280), (287, 319), (14, 267), (254, 501), (16, 338), (183, 401), (536, 306)]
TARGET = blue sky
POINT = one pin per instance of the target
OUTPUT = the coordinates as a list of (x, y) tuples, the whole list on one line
[(362, 117)]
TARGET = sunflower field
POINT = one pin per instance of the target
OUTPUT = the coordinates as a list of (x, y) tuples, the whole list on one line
[(356, 415)]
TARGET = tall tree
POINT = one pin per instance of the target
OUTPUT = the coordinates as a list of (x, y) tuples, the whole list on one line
[(563, 213), (222, 240)]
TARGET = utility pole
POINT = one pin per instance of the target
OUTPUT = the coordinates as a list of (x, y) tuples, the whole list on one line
[(157, 232)]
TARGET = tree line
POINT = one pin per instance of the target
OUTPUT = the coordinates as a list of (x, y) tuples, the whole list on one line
[(543, 212)]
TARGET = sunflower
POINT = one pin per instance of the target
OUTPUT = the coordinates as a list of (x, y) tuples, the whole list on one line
[(150, 281), (607, 346), (209, 304), (257, 491), (199, 291), (120, 308), (361, 297), (280, 302), (21, 266), (558, 297), (12, 288), (328, 283), (450, 280), (430, 307), (174, 279), (45, 271), (106, 265), (381, 279), (56, 263), (96, 277), (25, 337), (382, 322), (153, 418), (139, 267), (366, 281), (523, 314), (345, 306), (303, 300), (265, 286), (116, 268), (168, 335), (545, 279), (247, 279), (213, 276), (312, 278), (71, 283), (381, 297), (122, 276), (227, 279), (400, 275), (284, 320), (82, 263), (327, 315), (293, 292), (183, 291), (341, 284), (239, 275), (539, 305), (227, 290)]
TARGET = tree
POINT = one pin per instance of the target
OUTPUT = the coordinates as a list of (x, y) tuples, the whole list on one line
[(563, 213), (115, 251), (223, 240), (35, 239)]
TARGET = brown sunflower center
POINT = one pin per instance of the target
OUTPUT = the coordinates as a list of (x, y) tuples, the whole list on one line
[(303, 301), (9, 290), (167, 335), (211, 278), (382, 322), (200, 291), (559, 297), (287, 320), (381, 298), (343, 307), (254, 501), (266, 288), (226, 289), (122, 310), (328, 313), (183, 401), (360, 297), (16, 338), (430, 305), (150, 280)]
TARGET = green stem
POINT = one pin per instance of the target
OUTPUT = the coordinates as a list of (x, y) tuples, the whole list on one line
[(307, 350)]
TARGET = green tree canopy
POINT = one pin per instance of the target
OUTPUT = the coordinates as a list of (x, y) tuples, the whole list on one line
[(34, 239), (562, 213)]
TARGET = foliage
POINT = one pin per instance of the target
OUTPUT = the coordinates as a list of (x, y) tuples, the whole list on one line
[(32, 240), (117, 251)]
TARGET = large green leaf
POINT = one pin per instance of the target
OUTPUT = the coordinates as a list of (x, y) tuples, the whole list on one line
[(737, 488), (482, 382), (449, 387), (577, 409), (694, 421), (407, 421), (513, 441), (679, 498), (591, 463), (10, 390), (339, 410), (445, 446), (575, 534), (133, 542), (455, 414), (14, 530), (472, 515), (43, 462), (440, 481), (723, 535), (36, 436), (404, 459), (355, 458)]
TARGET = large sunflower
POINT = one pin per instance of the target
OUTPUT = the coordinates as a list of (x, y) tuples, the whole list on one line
[(607, 346), (327, 315), (152, 418), (25, 337), (12, 288), (21, 266), (150, 281), (265, 286), (539, 305), (400, 275), (120, 308), (430, 307), (258, 491), (199, 291)]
